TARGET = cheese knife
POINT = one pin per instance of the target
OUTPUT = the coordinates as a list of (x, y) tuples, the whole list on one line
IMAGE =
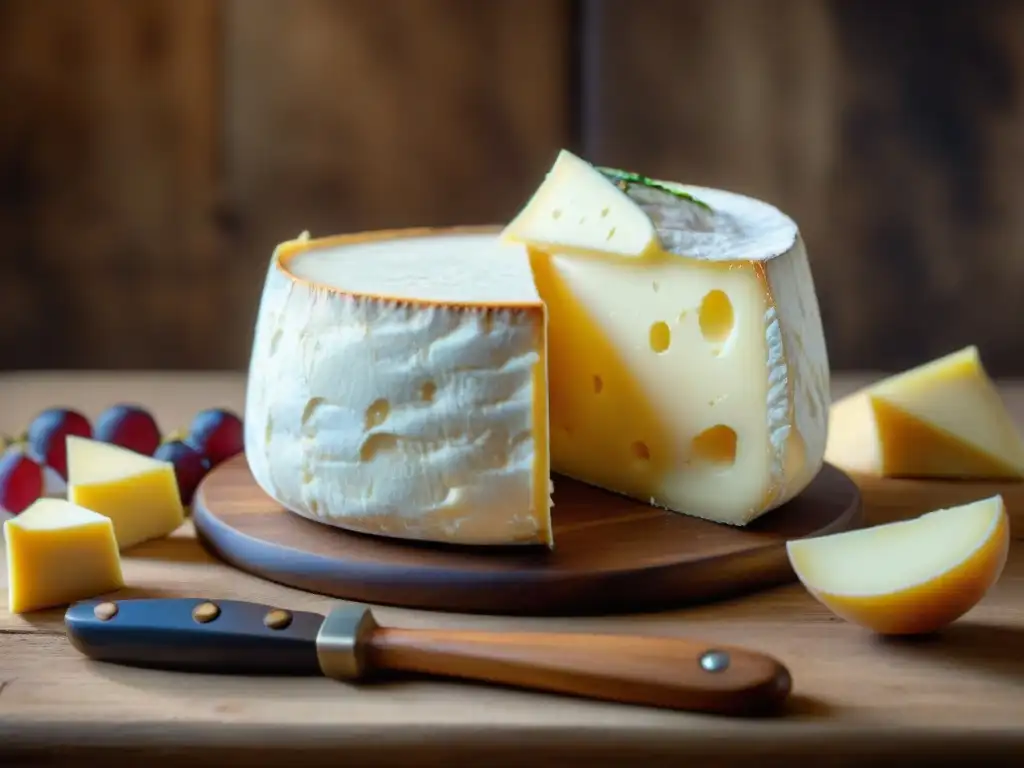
[(238, 637)]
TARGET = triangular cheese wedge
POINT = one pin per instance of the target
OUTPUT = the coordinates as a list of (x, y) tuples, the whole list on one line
[(422, 384), (59, 553), (138, 493), (579, 209), (943, 419)]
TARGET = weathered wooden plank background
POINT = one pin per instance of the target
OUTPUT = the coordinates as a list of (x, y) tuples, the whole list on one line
[(152, 152)]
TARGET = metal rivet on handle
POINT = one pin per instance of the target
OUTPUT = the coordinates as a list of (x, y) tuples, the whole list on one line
[(105, 611), (714, 661), (277, 619), (205, 612)]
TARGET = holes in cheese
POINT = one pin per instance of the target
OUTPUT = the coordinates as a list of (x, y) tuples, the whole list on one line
[(374, 445), (641, 451), (660, 337), (716, 316), (377, 413), (942, 419), (715, 445), (561, 376), (311, 405)]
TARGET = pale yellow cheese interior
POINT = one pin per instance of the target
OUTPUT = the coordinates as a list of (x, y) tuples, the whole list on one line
[(687, 363), (888, 558), (655, 371)]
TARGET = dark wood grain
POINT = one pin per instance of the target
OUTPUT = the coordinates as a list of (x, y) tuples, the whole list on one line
[(346, 115), (612, 554), (108, 161), (153, 153), (892, 132)]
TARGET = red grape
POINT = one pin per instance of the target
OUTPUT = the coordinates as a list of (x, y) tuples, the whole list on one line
[(21, 482), (129, 426), (190, 467), (217, 434), (47, 436)]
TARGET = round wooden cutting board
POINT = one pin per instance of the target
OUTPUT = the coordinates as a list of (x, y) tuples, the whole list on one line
[(611, 555)]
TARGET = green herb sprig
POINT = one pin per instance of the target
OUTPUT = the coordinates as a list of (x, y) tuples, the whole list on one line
[(624, 178)]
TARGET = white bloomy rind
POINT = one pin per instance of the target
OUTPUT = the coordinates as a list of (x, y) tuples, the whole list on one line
[(393, 388), (744, 229)]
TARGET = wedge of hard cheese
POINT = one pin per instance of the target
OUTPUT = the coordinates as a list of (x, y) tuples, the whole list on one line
[(936, 435), (687, 361), (59, 553), (138, 493), (943, 419)]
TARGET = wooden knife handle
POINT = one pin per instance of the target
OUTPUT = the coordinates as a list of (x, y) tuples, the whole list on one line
[(652, 671)]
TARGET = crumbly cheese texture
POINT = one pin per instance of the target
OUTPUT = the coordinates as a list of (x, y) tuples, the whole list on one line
[(138, 493), (397, 387), (942, 419), (59, 553), (691, 371)]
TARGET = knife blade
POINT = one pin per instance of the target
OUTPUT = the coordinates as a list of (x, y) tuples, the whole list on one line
[(239, 637)]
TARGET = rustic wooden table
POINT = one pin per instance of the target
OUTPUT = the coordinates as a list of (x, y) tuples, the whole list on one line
[(959, 697)]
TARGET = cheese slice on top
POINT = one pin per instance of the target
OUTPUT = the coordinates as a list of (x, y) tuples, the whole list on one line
[(398, 387), (691, 372), (942, 419), (576, 208)]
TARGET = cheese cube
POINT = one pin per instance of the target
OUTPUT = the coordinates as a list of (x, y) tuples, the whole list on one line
[(138, 493), (942, 419), (59, 553)]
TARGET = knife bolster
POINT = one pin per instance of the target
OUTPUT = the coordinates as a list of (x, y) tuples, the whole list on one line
[(342, 640)]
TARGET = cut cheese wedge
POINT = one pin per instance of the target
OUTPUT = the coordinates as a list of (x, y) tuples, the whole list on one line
[(59, 553), (912, 576), (943, 419), (138, 493), (690, 372), (422, 384)]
